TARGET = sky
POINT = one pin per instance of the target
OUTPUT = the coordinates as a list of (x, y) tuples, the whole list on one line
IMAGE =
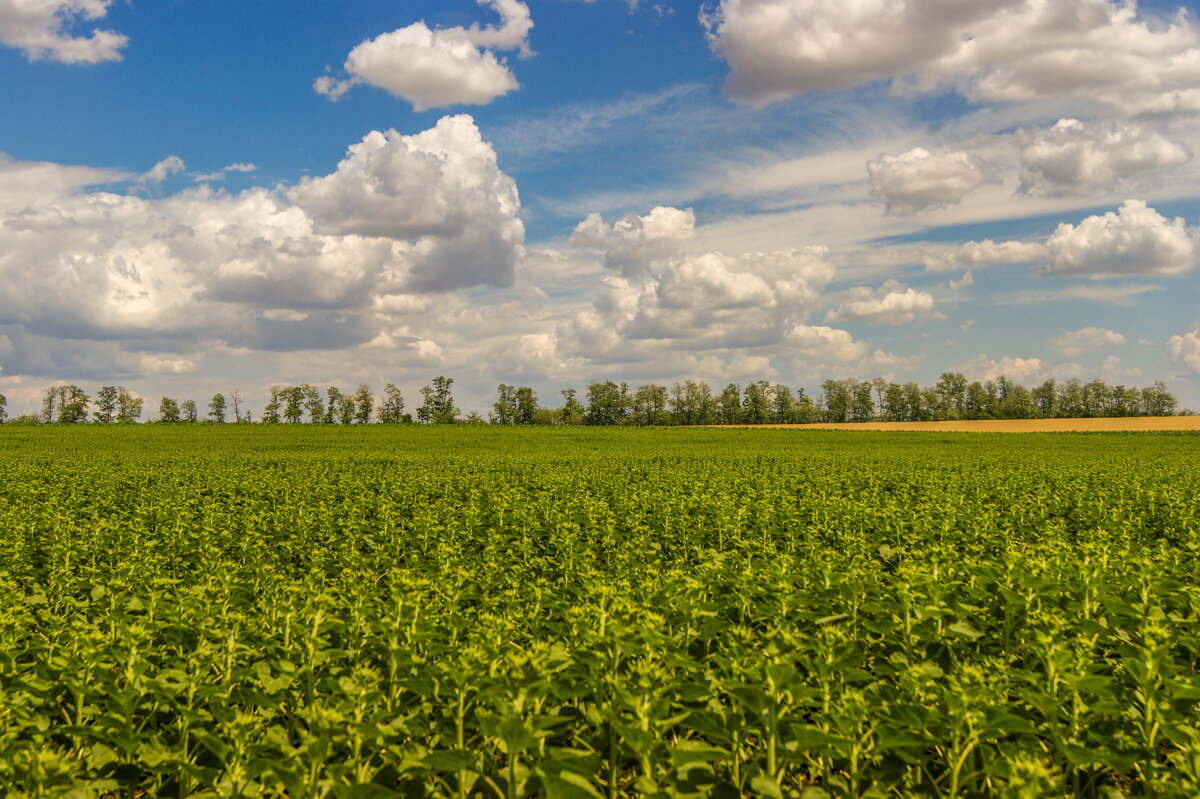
[(201, 197)]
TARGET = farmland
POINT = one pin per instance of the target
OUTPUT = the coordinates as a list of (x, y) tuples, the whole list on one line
[(577, 613)]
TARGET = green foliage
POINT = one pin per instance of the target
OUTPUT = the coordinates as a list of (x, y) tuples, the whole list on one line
[(506, 612)]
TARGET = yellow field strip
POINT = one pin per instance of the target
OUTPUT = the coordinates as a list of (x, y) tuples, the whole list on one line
[(1132, 423)]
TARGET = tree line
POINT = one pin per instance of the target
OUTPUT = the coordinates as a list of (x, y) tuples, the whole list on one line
[(608, 403)]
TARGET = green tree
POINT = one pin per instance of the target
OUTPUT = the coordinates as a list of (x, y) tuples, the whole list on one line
[(129, 406), (572, 409), (862, 406), (951, 390), (783, 405), (216, 408), (106, 405), (605, 404), (168, 410), (838, 401), (504, 410), (893, 407), (391, 409), (364, 404), (527, 405), (346, 409), (756, 403), (437, 406), (64, 404), (187, 411), (3, 408), (692, 403), (312, 404), (293, 404), (729, 404), (1158, 401), (273, 406), (1045, 399), (334, 402), (648, 406)]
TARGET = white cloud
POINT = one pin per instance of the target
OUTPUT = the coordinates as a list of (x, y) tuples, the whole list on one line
[(982, 253), (432, 68), (966, 280), (920, 179), (1011, 50), (634, 243), (39, 28), (892, 304), (1136, 240), (34, 183), (1020, 370), (1074, 158), (826, 345), (171, 165), (1183, 351), (440, 189), (1088, 339), (308, 268)]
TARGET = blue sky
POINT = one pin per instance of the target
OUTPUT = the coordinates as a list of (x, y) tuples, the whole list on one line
[(201, 196)]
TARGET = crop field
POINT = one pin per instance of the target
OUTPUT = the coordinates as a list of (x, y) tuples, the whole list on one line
[(582, 613)]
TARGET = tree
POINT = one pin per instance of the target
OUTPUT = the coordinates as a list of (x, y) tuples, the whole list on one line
[(648, 406), (364, 404), (914, 404), (1045, 399), (346, 410), (837, 401), (332, 406), (951, 392), (3, 408), (756, 403), (783, 405), (729, 404), (293, 404), (391, 410), (692, 403), (572, 409), (437, 406), (605, 405), (893, 406), (273, 406), (168, 410), (216, 408), (64, 404), (312, 404), (1157, 401), (979, 402), (235, 399), (106, 405), (527, 405), (187, 411), (504, 410), (129, 406), (862, 407)]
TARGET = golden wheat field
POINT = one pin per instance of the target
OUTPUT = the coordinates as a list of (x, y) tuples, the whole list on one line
[(1126, 424)]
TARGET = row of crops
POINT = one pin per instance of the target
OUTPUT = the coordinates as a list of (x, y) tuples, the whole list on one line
[(597, 613)]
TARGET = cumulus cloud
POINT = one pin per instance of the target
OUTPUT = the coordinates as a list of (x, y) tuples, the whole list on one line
[(1021, 370), (440, 189), (308, 268), (634, 243), (1136, 240), (892, 304), (1101, 50), (433, 68), (698, 304), (1183, 352), (1084, 341), (983, 253), (920, 179), (1074, 158), (40, 28), (826, 345)]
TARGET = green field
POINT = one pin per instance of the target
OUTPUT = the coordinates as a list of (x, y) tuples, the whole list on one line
[(580, 613)]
